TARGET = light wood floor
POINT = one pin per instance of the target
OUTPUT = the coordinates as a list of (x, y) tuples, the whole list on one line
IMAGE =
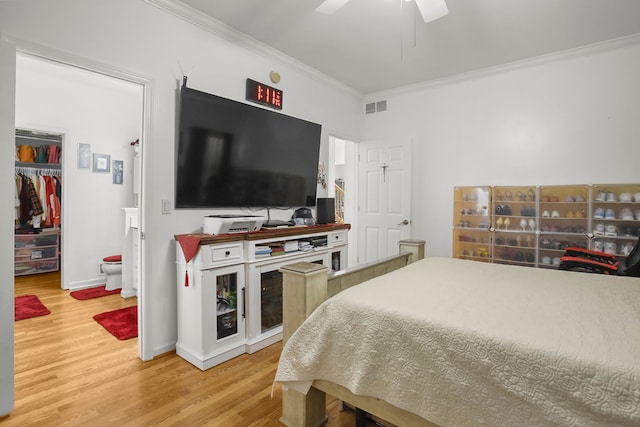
[(69, 371)]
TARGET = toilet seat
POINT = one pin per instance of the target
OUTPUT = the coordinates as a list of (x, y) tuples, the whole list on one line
[(113, 259)]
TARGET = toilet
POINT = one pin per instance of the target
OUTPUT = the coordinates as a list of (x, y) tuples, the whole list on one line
[(112, 267)]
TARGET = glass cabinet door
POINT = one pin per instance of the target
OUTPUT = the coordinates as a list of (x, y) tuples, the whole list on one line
[(227, 305), (515, 224), (564, 221), (471, 222), (615, 218)]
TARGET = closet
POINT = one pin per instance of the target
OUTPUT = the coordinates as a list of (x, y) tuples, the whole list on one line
[(38, 195)]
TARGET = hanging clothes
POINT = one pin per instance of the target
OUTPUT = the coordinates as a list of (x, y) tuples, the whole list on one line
[(37, 198)]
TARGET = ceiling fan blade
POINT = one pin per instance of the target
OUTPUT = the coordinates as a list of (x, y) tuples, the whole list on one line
[(330, 6), (432, 9)]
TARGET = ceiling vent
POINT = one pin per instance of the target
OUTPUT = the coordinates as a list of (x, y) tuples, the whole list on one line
[(374, 107)]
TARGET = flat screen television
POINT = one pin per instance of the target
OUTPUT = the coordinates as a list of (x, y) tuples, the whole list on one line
[(235, 155)]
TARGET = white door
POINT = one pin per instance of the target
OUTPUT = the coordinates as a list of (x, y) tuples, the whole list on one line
[(7, 193), (384, 205)]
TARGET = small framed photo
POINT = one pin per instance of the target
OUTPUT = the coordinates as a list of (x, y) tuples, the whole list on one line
[(84, 156), (101, 163), (118, 167)]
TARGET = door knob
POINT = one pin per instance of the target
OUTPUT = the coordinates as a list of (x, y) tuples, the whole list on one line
[(405, 222)]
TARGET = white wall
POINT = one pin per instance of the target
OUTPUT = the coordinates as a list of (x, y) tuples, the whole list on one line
[(569, 119), (97, 110), (141, 39)]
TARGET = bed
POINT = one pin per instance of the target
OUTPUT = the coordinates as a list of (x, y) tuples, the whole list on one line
[(451, 342)]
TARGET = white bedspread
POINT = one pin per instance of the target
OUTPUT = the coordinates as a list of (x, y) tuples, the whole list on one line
[(463, 343)]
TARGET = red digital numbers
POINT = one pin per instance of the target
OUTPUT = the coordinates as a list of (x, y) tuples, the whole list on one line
[(263, 94)]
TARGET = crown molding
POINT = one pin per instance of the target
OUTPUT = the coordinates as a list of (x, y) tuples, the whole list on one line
[(577, 52), (220, 29)]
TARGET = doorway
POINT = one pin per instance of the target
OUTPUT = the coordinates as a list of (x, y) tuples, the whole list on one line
[(85, 103), (343, 178)]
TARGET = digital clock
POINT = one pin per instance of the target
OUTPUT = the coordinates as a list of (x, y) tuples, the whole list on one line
[(262, 94)]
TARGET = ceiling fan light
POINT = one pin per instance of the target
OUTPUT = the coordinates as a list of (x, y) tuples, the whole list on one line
[(432, 9), (330, 6)]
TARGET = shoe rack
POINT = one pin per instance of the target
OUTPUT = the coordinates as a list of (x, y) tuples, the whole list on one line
[(616, 218), (471, 221), (564, 221), (514, 225), (532, 225)]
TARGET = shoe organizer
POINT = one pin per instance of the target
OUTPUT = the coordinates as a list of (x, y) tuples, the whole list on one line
[(472, 220), (615, 218), (532, 226)]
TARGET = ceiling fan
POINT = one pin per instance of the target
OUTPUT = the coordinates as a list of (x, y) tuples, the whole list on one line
[(430, 9)]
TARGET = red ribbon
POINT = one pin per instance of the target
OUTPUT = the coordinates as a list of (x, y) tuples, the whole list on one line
[(189, 244)]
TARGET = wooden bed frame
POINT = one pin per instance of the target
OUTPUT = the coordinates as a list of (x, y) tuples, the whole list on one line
[(305, 287)]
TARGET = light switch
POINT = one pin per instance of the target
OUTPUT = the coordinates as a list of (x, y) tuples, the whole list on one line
[(166, 206)]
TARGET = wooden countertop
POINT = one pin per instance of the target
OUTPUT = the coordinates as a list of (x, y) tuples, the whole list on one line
[(268, 233)]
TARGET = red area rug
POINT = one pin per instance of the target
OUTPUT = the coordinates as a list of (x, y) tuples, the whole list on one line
[(28, 306), (90, 293), (122, 323)]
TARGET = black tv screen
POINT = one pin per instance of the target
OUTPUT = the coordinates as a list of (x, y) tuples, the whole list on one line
[(231, 154)]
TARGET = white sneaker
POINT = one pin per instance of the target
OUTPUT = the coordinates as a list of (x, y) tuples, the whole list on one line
[(611, 197), (598, 230), (610, 214), (601, 197), (610, 247), (598, 245), (599, 213), (610, 230), (545, 214), (626, 214), (625, 197)]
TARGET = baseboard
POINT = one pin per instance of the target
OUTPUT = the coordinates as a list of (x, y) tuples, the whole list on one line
[(85, 284)]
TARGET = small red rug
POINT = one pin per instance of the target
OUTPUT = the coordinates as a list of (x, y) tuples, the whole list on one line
[(122, 323), (28, 306), (90, 293)]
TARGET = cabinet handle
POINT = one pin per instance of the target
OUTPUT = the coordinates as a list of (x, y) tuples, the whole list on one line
[(243, 303), (227, 253)]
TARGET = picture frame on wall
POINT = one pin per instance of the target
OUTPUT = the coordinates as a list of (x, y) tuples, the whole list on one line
[(84, 156), (102, 163), (118, 167)]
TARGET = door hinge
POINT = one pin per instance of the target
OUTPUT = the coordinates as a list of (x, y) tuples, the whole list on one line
[(142, 235)]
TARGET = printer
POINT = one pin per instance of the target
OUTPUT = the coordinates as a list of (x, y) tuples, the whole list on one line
[(225, 224)]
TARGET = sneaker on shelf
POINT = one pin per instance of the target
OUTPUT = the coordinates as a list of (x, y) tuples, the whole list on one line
[(601, 197), (611, 197), (610, 230), (555, 214), (626, 198), (579, 198), (570, 199), (532, 224), (636, 197), (626, 248), (546, 260), (598, 230), (637, 214), (598, 245), (610, 247), (556, 261), (579, 213), (599, 213), (626, 214), (610, 214), (545, 214)]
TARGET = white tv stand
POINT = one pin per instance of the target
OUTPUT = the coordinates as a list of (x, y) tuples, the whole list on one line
[(233, 301)]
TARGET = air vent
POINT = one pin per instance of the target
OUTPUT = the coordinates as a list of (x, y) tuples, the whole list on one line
[(374, 107), (370, 108)]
